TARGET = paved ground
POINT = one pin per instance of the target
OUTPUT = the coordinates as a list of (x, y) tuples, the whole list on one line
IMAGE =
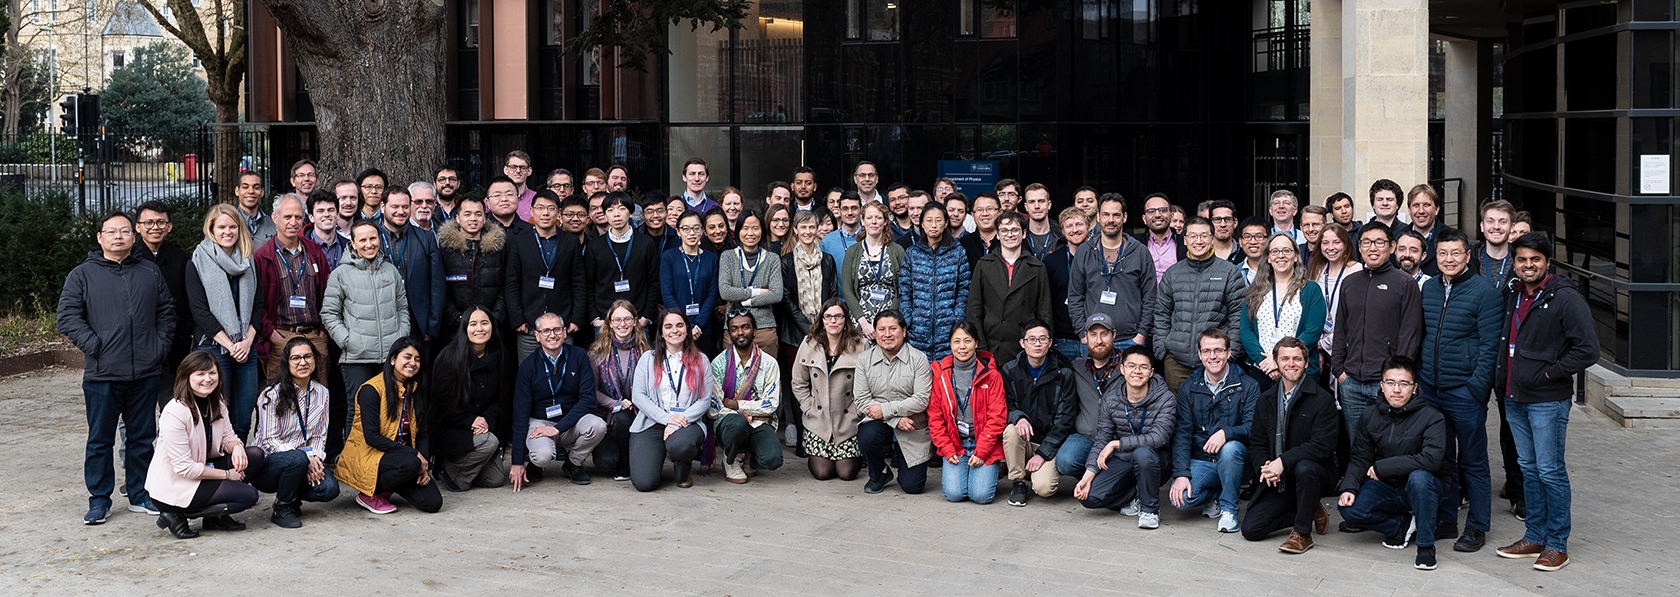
[(781, 534)]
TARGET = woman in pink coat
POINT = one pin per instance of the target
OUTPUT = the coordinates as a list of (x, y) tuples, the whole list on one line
[(199, 462)]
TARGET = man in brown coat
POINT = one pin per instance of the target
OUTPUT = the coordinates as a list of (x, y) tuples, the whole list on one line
[(1009, 289)]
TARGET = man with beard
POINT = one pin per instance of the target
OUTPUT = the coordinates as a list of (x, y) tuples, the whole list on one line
[(898, 203), (1115, 278), (1293, 444), (804, 188), (1491, 259), (1408, 254), (745, 393), (414, 252), (425, 204), (349, 197), (1165, 247), (1076, 227), (1223, 215), (447, 182)]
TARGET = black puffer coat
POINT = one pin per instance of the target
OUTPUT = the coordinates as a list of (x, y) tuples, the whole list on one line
[(472, 272), (1397, 441)]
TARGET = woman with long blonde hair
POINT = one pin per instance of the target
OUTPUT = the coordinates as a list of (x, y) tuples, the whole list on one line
[(615, 354), (222, 291)]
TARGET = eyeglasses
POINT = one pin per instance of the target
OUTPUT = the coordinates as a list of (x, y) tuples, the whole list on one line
[(1158, 210), (1198, 235), (153, 223), (1454, 254), (1213, 351), (301, 358), (1224, 220), (834, 316), (1398, 384), (549, 331), (1136, 366), (304, 175), (1009, 231), (118, 232), (560, 185), (518, 168), (986, 210), (550, 208), (373, 187), (1372, 242), (686, 229), (868, 175), (625, 319), (1282, 252), (1036, 340), (444, 179), (1008, 194), (1255, 237)]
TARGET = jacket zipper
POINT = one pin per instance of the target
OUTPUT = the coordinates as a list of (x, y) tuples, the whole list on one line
[(1441, 320)]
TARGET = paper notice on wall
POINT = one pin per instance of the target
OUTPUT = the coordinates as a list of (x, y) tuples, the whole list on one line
[(1653, 174)]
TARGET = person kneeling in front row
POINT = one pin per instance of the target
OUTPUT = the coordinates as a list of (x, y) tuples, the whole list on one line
[(1399, 450), (1215, 416), (672, 390), (200, 462), (965, 418), (291, 430), (1292, 443), (746, 386), (552, 397), (1135, 428), (388, 448)]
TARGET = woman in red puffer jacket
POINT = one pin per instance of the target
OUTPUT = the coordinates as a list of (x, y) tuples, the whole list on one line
[(966, 418)]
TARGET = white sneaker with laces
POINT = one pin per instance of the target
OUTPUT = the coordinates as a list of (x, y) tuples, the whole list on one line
[(1228, 522), (732, 472), (1132, 509), (1211, 510), (1149, 520)]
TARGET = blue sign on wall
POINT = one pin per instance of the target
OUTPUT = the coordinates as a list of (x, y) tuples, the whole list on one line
[(971, 176)]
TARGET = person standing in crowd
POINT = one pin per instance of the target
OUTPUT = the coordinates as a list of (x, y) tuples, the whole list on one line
[(501, 199), (1409, 249), (745, 396), (1281, 302), (959, 222), (866, 179), (688, 278), (201, 462), (777, 228), (153, 228), (1123, 470), (545, 274), (447, 182), (1385, 205), (349, 195), (1282, 207), (1076, 227), (898, 207), (1165, 246), (1177, 219), (804, 187), (1550, 339), (751, 278), (1223, 215), (966, 410), (424, 198), (1198, 292), (1521, 223), (292, 275), (474, 256), (1293, 445), (389, 449), (614, 356), (1115, 278), (891, 393), (258, 225), (1396, 469), (116, 309), (672, 390), (517, 168), (1424, 205), (871, 271), (303, 177), (467, 410), (222, 290), (695, 175), (1340, 207), (559, 182), (915, 203), (732, 204), (809, 279), (1312, 228), (414, 253), (1210, 443), (933, 290), (372, 184), (1331, 265), (365, 309), (620, 267), (984, 240), (1008, 193), (823, 378), (1041, 236), (1042, 405), (618, 178), (291, 432), (553, 395), (675, 207), (1253, 236), (662, 237), (718, 238), (1009, 289), (324, 231), (1462, 316), (1491, 259), (1383, 318), (839, 241)]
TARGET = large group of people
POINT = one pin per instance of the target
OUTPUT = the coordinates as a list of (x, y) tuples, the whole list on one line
[(407, 341)]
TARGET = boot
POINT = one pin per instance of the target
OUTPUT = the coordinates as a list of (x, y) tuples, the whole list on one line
[(177, 525)]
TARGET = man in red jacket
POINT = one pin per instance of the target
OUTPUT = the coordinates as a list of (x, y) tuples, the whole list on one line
[(292, 272)]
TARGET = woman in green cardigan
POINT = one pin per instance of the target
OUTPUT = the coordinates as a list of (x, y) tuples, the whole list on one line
[(1273, 313), (869, 274)]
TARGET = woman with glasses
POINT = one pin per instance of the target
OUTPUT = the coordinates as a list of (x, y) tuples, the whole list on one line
[(688, 279), (222, 290), (469, 407), (809, 279), (780, 219), (1281, 302), (751, 278), (1332, 263), (615, 355), (292, 420), (823, 372), (933, 288), (671, 392), (372, 184)]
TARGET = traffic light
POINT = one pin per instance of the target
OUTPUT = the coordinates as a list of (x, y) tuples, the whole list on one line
[(68, 111), (87, 112)]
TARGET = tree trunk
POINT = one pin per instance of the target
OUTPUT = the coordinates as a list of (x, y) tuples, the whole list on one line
[(376, 77), (11, 81), (226, 137)]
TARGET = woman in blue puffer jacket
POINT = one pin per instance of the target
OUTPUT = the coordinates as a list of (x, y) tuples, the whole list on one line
[(933, 290)]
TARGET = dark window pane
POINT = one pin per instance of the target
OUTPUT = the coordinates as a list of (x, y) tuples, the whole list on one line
[(997, 19), (1653, 10), (1584, 163), (1651, 245), (1653, 69), (1588, 80)]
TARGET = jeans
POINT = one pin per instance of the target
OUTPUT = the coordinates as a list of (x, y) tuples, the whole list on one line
[(1071, 348), (977, 483), (1380, 506), (239, 384), (1356, 396), (286, 475), (875, 440), (1466, 457), (1136, 473), (1539, 429), (108, 401), (1226, 474), (1070, 458)]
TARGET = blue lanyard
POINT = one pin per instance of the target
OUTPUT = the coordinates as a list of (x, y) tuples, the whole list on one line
[(1332, 296), (628, 246), (693, 278), (296, 276), (395, 255), (553, 388), (676, 388), (1143, 417), (547, 256), (1277, 311), (1109, 268), (880, 262), (1037, 252), (742, 253)]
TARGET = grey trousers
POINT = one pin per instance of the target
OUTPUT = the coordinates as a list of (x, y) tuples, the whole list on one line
[(578, 441), (482, 466)]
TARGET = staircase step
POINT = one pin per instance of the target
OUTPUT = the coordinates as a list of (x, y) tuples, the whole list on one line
[(1643, 391), (1644, 408)]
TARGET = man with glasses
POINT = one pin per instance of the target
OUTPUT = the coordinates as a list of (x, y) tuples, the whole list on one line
[(447, 182), (1009, 289), (574, 218), (250, 194), (560, 182), (154, 229), (1384, 306), (517, 167), (984, 241), (371, 184), (1115, 278), (1252, 239), (1223, 215), (1395, 473), (1198, 293), (304, 177), (1283, 207), (898, 204), (116, 309), (1313, 218), (865, 177), (1008, 194), (425, 206), (544, 273), (597, 222), (553, 394), (1210, 445), (653, 223), (1123, 470), (842, 238), (1042, 406), (1165, 246), (501, 200), (1462, 316)]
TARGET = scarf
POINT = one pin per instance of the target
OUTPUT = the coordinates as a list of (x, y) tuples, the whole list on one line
[(808, 270), (733, 387), (616, 380), (232, 312)]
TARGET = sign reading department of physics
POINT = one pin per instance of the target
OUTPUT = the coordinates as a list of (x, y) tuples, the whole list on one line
[(971, 176)]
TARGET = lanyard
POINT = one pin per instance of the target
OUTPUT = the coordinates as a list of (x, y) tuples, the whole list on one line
[(547, 256), (1277, 310), (1109, 269), (1035, 249), (1332, 296), (628, 246), (303, 430), (880, 261), (553, 388), (395, 255), (296, 276), (742, 253), (1503, 263), (676, 389), (1143, 417), (693, 278), (621, 378)]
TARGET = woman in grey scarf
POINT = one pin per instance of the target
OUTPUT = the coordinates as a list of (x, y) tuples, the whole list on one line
[(221, 293)]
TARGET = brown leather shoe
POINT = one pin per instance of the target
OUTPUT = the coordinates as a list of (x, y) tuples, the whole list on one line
[(687, 480), (1551, 561), (1296, 543), (1321, 521), (1521, 549)]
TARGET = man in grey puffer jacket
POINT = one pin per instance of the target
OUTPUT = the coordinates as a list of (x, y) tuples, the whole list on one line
[(1197, 293), (365, 307)]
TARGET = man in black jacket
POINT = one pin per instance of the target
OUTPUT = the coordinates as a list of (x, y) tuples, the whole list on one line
[(1038, 385), (117, 309), (415, 253), (1293, 445), (620, 268), (1549, 339), (474, 256), (1215, 421), (1383, 317), (154, 228), (544, 273), (1393, 481)]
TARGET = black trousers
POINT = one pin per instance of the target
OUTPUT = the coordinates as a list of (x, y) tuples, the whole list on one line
[(1129, 474), (613, 454), (649, 448), (1292, 506), (238, 495), (399, 473), (875, 439)]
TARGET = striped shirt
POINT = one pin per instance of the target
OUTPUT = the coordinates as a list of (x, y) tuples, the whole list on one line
[(302, 429)]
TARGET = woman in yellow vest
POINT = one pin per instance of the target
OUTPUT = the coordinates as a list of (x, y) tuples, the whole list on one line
[(386, 450)]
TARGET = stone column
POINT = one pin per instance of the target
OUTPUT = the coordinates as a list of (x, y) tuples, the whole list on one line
[(1385, 95), (1464, 140), (1324, 145)]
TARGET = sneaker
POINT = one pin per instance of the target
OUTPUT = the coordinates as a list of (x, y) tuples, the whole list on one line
[(1149, 520), (621, 476), (96, 515), (1446, 530), (143, 507), (874, 486), (1018, 495), (1425, 558), (1228, 522), (447, 481), (1348, 527), (1520, 509), (575, 474), (732, 471), (1211, 510), (1405, 538), (1132, 509), (1551, 561), (1471, 541), (376, 504), (286, 516)]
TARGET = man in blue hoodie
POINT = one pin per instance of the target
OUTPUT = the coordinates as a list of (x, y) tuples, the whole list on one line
[(1215, 414)]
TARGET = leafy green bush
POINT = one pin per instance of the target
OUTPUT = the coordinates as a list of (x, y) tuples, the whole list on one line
[(42, 240)]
